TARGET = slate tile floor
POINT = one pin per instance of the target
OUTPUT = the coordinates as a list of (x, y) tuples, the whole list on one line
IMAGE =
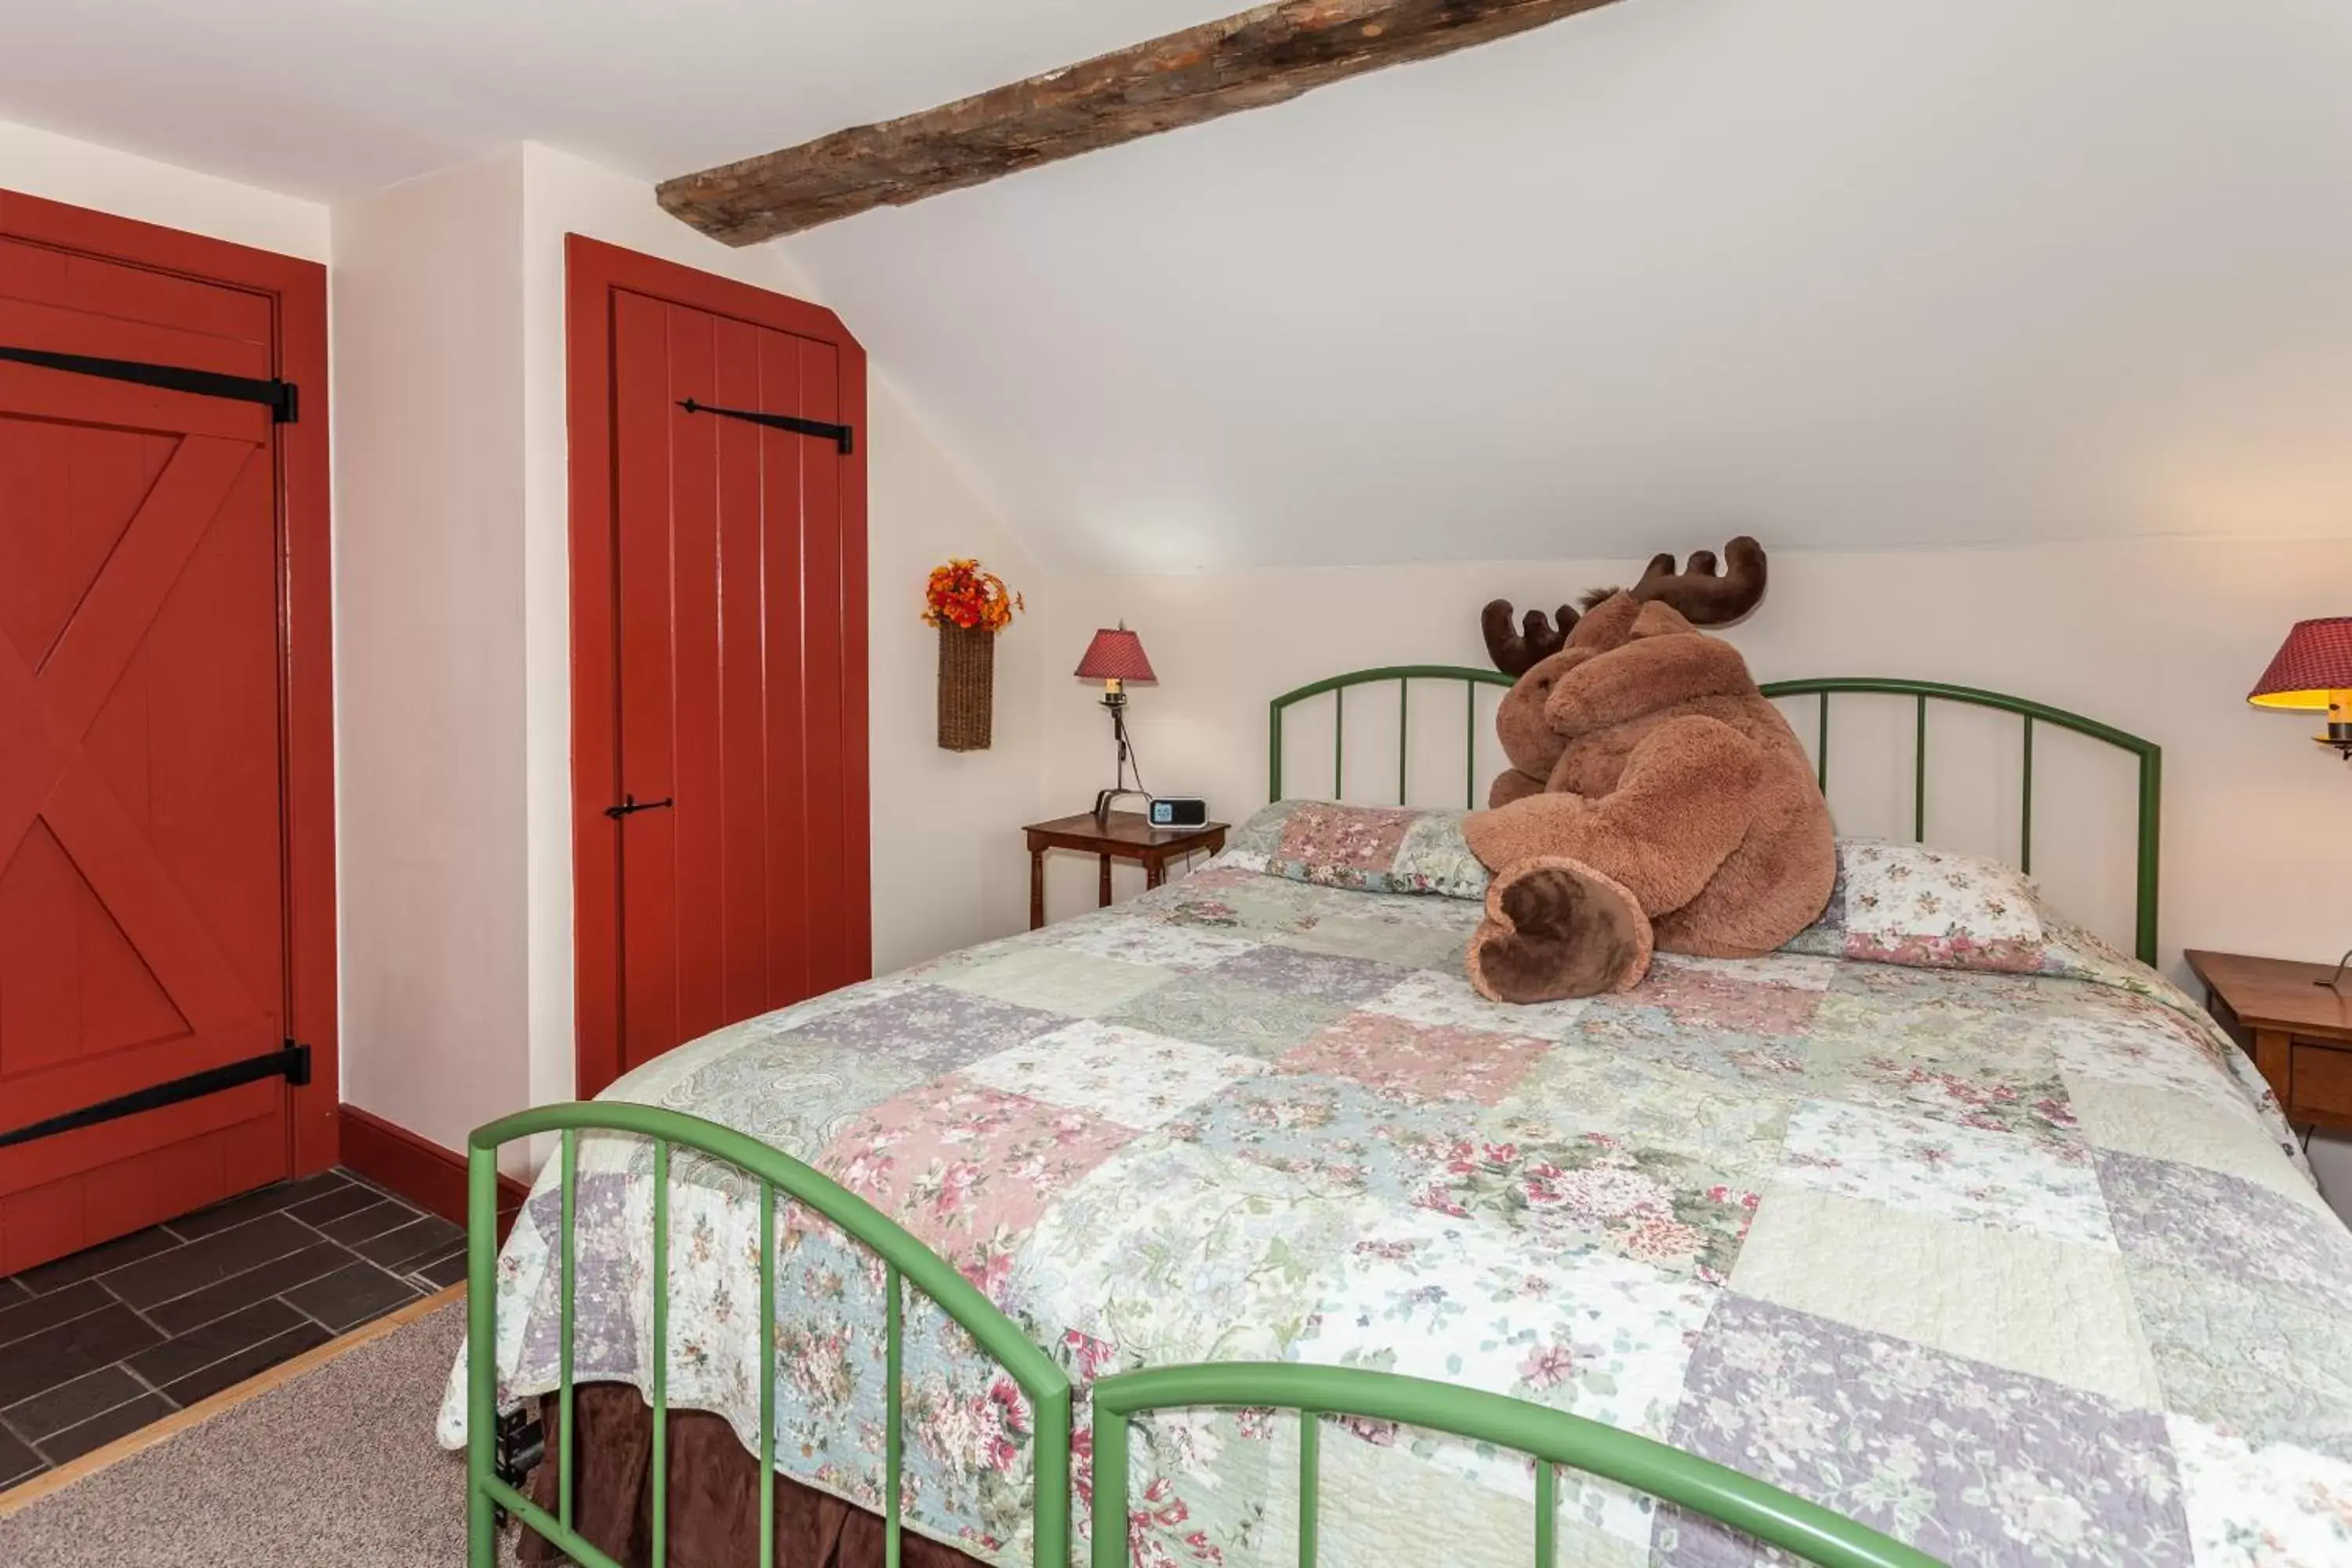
[(100, 1343)]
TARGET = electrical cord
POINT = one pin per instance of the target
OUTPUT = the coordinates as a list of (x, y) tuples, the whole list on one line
[(1134, 759)]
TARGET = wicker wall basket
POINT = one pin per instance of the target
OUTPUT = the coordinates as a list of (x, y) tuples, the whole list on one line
[(967, 687)]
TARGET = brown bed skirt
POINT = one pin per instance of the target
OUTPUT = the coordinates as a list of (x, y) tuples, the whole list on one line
[(714, 1496)]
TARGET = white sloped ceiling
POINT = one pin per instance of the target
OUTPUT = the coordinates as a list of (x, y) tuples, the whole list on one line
[(1836, 272)]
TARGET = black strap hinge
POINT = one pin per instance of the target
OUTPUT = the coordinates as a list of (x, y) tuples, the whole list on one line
[(280, 397), (291, 1061), (840, 435)]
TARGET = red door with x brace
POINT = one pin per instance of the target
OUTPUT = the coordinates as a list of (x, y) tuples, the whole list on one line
[(159, 903)]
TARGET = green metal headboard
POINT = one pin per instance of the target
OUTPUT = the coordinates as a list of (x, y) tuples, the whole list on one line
[(904, 1259), (2148, 755), (1404, 675), (1552, 1437)]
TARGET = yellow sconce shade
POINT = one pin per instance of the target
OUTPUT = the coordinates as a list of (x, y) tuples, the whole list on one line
[(2312, 673)]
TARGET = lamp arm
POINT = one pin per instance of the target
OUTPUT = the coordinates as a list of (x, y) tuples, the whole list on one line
[(2331, 981), (1116, 703)]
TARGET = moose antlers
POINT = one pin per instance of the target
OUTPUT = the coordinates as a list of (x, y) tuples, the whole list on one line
[(1517, 652), (1703, 597)]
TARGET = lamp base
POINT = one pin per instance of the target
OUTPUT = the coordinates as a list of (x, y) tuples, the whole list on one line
[(2334, 982), (1104, 797), (1115, 701)]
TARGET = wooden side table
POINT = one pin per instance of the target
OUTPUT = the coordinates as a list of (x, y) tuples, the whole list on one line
[(1126, 835), (2299, 1033)]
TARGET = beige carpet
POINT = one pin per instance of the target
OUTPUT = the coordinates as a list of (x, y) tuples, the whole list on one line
[(334, 1468)]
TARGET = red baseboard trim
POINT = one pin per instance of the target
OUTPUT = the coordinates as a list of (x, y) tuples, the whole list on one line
[(418, 1169)]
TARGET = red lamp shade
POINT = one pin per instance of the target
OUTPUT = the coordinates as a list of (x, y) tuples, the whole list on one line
[(1115, 654), (2313, 663)]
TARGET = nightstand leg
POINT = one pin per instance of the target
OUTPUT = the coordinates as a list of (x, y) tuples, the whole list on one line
[(2272, 1056), (1105, 881), (1155, 872), (1036, 888)]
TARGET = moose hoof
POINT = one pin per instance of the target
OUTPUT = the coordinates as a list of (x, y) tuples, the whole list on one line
[(1556, 927)]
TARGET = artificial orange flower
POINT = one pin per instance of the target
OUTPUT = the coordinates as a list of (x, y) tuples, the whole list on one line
[(961, 594)]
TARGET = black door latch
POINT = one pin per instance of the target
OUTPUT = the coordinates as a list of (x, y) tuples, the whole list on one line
[(630, 805)]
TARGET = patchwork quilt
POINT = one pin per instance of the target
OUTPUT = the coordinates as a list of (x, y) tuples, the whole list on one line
[(1949, 1218)]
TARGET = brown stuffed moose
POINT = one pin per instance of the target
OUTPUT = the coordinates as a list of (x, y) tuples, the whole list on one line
[(1655, 797)]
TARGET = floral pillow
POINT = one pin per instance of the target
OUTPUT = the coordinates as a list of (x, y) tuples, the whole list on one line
[(1370, 848), (1938, 909)]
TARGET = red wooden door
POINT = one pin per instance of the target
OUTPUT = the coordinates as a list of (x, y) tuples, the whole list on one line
[(738, 682), (144, 911)]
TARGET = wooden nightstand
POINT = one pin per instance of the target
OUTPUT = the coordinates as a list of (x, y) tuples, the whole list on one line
[(2299, 1033), (1126, 836)]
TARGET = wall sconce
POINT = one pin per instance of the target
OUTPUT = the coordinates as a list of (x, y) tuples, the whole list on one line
[(2312, 673)]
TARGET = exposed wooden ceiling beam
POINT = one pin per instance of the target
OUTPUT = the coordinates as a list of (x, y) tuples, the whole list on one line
[(1267, 54)]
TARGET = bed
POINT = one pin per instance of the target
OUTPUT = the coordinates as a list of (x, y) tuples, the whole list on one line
[(1950, 1219)]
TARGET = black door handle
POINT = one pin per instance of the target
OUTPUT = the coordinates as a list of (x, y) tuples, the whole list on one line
[(630, 805)]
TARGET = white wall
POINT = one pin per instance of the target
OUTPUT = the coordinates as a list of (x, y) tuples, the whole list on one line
[(430, 697), (454, 698), (2160, 638), (947, 865), (42, 163)]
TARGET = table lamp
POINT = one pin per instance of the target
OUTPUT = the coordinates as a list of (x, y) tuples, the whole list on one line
[(1115, 658), (2312, 673)]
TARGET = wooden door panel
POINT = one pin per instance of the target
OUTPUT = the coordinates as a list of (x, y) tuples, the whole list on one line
[(107, 1180), (89, 1077), (698, 543), (71, 985), (48, 275), (731, 659), (58, 396), (26, 1166), (640, 414), (60, 328), (739, 653), (700, 829), (209, 723), (784, 459), (143, 923), (119, 611), (823, 624), (75, 492)]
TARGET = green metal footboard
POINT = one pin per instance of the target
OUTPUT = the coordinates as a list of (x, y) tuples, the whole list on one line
[(1551, 1437), (903, 1258)]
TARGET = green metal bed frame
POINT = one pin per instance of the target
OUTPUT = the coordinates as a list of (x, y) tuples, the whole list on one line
[(1550, 1438), (2148, 755), (905, 1259)]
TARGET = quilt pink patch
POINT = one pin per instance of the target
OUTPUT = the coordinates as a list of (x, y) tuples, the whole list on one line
[(1419, 1061), (967, 1168)]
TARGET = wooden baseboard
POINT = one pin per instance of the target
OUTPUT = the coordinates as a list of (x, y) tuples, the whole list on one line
[(418, 1169)]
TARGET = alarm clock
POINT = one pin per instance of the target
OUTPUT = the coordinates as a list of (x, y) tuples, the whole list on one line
[(1179, 811)]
